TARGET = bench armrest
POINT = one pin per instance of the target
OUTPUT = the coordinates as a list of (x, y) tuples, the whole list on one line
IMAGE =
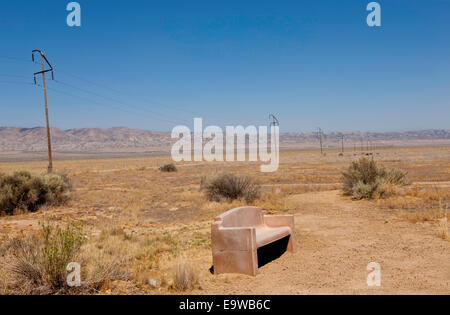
[(233, 238)]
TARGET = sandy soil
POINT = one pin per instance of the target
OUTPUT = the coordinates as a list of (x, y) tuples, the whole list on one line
[(337, 236)]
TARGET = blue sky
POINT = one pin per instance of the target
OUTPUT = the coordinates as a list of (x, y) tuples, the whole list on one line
[(155, 64)]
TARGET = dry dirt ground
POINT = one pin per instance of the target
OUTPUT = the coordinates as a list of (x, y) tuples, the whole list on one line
[(337, 238), (151, 221)]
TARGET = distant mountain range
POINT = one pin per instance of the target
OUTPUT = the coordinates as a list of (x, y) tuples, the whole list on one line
[(121, 139)]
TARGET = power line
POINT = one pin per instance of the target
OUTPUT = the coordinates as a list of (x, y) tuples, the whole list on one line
[(86, 91), (104, 105), (85, 99), (16, 82), (14, 76), (18, 59), (171, 107), (113, 99)]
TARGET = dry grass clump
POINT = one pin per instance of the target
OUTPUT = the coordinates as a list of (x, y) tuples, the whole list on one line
[(443, 229), (432, 193), (144, 256), (185, 276), (230, 187), (23, 191), (420, 216), (364, 179), (168, 168), (39, 262)]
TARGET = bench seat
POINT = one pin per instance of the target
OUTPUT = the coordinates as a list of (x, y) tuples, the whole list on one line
[(266, 235)]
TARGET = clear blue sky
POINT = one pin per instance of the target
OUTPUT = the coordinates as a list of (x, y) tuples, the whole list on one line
[(160, 63)]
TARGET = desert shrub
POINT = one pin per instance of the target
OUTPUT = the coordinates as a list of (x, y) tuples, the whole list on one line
[(58, 188), (24, 191), (184, 277), (39, 262), (60, 246), (230, 187), (386, 189), (365, 179), (361, 190), (168, 168)]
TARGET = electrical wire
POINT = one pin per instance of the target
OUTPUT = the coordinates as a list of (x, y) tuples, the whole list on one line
[(18, 59), (113, 100), (163, 117), (142, 100), (15, 82), (90, 101), (140, 114), (128, 95), (14, 76)]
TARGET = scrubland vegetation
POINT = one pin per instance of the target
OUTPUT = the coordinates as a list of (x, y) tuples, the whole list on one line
[(168, 168), (37, 263), (226, 186), (22, 191), (135, 229), (366, 179)]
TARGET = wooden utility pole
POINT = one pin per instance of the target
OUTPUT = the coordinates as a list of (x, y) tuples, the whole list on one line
[(342, 143), (320, 139), (274, 123), (49, 142)]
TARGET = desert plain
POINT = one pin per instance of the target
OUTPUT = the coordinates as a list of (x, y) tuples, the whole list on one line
[(148, 223)]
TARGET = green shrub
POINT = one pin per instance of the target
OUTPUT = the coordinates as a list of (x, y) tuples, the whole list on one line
[(169, 168), (27, 192), (39, 262), (58, 188), (361, 190), (60, 246), (365, 179), (230, 187)]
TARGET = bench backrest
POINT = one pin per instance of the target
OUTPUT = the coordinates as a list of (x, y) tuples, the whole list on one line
[(242, 217)]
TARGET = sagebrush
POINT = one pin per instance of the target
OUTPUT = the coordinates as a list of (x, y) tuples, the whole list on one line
[(230, 187), (168, 168), (39, 262), (27, 192), (366, 179)]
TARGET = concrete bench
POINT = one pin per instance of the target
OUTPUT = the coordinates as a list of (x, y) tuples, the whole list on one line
[(237, 234)]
